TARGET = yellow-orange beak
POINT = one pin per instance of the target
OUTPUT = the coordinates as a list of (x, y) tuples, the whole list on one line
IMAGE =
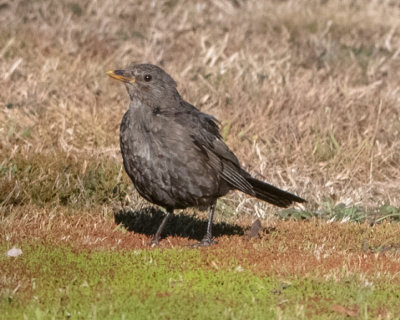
[(119, 75)]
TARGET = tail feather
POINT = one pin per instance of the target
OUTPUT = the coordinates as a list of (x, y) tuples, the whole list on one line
[(271, 194)]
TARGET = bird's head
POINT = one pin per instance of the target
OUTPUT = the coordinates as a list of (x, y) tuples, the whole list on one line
[(147, 83)]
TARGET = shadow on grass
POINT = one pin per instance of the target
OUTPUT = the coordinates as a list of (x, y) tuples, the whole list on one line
[(147, 220)]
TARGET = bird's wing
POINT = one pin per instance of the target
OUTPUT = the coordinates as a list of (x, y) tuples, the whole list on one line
[(204, 131)]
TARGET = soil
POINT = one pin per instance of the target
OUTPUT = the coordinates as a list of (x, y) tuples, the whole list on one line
[(285, 247)]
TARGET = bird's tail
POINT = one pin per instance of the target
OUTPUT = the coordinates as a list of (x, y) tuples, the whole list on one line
[(271, 194)]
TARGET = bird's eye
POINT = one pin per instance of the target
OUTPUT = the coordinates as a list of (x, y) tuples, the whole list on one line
[(147, 78)]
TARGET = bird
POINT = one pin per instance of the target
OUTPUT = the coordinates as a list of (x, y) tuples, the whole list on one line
[(174, 153)]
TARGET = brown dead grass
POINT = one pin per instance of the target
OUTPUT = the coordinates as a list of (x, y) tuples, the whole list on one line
[(330, 250), (307, 91)]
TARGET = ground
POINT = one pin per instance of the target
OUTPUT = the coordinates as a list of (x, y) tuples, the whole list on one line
[(307, 95), (90, 265)]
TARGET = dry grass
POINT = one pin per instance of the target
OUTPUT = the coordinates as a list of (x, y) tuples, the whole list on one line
[(307, 91)]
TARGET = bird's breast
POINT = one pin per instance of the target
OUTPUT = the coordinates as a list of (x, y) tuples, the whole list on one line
[(164, 164)]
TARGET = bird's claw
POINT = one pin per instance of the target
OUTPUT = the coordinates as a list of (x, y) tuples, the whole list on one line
[(206, 242), (154, 243)]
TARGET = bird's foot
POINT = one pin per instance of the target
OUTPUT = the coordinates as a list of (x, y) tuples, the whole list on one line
[(154, 242), (206, 242)]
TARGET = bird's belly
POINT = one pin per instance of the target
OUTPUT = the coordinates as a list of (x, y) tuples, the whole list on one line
[(171, 177)]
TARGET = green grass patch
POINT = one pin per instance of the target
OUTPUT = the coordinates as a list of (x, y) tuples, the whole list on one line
[(58, 179), (341, 212), (60, 282)]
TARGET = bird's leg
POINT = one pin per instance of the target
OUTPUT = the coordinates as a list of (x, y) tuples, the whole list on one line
[(156, 239), (208, 240)]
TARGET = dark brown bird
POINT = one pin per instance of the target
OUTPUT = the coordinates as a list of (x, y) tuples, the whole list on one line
[(174, 153)]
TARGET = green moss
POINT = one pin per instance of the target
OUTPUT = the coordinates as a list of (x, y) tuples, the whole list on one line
[(59, 282)]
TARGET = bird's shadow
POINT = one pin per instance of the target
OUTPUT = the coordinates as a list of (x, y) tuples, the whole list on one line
[(147, 220)]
